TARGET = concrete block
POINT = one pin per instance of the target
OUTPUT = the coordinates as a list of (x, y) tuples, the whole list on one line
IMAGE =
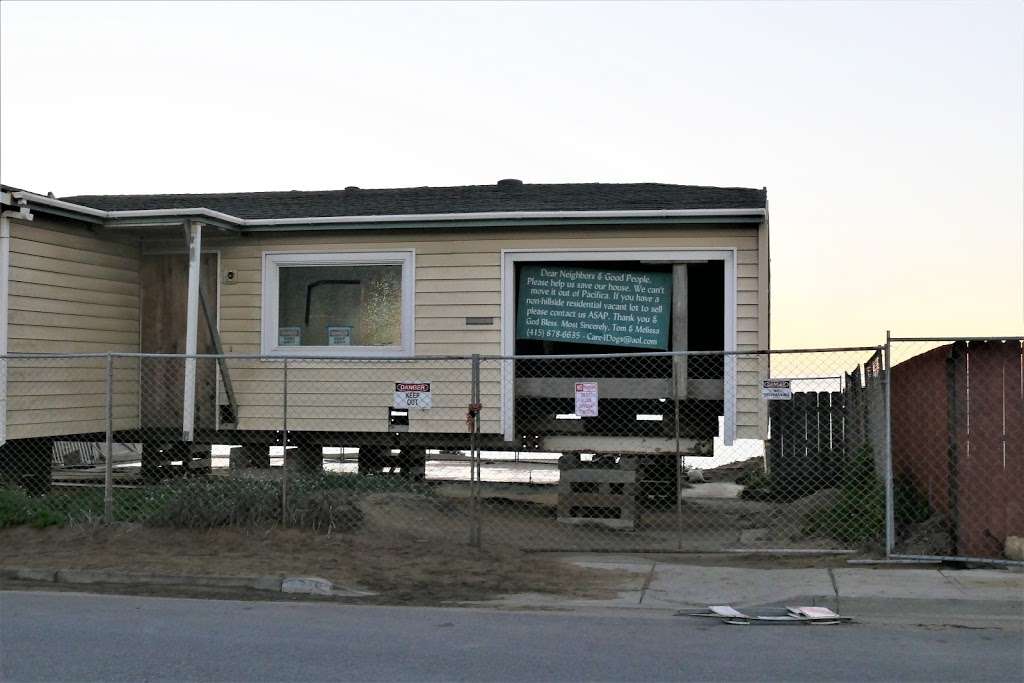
[(28, 574), (1014, 548), (308, 585), (86, 576)]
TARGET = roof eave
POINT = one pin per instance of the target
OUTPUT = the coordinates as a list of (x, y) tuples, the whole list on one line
[(163, 217)]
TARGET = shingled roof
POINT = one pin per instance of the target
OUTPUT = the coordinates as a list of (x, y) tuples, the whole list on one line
[(505, 196)]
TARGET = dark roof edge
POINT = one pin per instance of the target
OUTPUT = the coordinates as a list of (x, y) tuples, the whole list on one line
[(143, 217)]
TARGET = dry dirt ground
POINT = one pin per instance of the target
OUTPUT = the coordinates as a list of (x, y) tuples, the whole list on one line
[(413, 549), (409, 549), (404, 570)]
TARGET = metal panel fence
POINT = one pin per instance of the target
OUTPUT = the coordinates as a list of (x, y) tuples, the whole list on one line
[(621, 452)]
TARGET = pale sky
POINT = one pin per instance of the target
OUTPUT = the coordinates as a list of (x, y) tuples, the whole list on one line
[(889, 135)]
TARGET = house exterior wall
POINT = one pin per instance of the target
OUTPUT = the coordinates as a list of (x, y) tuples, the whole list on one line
[(73, 291), (69, 291), (458, 274)]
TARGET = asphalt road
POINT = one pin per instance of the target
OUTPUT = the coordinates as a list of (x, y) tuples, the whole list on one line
[(79, 637)]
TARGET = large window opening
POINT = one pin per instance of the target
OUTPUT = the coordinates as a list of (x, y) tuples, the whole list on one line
[(338, 304), (559, 301)]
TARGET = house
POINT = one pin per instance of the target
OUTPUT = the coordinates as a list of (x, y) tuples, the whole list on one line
[(381, 275)]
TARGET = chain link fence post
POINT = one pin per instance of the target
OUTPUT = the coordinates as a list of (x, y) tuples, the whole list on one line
[(108, 455), (890, 516), (474, 452), (284, 443), (676, 362)]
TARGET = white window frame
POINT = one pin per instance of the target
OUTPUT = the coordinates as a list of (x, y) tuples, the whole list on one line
[(269, 324)]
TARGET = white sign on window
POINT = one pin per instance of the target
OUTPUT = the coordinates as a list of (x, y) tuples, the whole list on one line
[(339, 335), (412, 395), (776, 389), (289, 336), (586, 399)]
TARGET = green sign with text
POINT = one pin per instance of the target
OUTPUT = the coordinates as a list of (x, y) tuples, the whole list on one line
[(594, 306)]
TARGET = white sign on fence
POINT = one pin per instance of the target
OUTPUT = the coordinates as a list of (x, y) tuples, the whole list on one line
[(413, 395), (777, 389), (586, 399)]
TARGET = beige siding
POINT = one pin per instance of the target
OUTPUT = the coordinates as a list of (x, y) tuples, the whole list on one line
[(458, 274), (70, 291)]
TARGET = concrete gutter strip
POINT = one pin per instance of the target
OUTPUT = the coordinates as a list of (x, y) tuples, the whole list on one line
[(95, 576), (29, 574), (273, 584)]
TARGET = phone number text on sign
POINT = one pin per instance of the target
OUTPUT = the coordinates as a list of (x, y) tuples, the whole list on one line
[(413, 395)]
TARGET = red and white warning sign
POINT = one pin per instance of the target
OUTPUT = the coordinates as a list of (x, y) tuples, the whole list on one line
[(586, 399), (412, 395), (777, 389)]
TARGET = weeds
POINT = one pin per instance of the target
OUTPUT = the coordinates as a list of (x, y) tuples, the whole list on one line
[(324, 503), (17, 508)]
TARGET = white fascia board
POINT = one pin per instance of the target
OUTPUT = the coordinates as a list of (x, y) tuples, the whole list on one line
[(199, 212), (505, 215), (58, 204)]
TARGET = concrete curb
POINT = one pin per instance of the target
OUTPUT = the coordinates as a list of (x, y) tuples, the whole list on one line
[(273, 584)]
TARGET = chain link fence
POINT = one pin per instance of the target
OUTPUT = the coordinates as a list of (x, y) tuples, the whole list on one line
[(698, 451)]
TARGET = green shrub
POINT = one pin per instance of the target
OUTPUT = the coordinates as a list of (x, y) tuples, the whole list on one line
[(17, 508), (209, 503), (858, 516), (323, 503)]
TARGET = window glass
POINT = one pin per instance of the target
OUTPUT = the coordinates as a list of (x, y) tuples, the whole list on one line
[(340, 305)]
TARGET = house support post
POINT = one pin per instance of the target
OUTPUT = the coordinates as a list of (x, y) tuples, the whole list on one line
[(193, 233), (680, 328)]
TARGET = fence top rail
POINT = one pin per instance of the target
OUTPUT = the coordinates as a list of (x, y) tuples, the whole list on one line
[(1008, 337), (657, 354), (233, 356), (408, 359)]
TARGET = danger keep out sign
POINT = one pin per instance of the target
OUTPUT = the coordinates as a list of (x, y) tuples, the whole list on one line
[(412, 395), (776, 389)]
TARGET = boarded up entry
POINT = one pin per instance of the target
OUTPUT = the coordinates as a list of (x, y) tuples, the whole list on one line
[(617, 307), (164, 281)]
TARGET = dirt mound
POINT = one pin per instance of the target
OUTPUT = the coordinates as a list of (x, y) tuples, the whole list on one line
[(734, 471), (813, 502), (930, 537), (415, 514)]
